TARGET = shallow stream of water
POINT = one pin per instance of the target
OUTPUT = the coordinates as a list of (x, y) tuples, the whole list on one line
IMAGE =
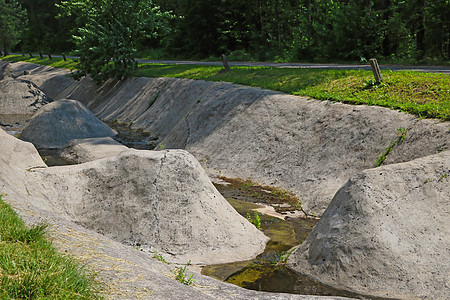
[(268, 271), (133, 138)]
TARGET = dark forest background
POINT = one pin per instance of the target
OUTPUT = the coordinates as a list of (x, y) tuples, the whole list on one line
[(280, 30)]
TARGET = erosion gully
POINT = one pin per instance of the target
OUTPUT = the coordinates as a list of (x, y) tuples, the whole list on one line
[(280, 218)]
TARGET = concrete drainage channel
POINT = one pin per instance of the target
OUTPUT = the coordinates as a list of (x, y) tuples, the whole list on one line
[(268, 271), (369, 239), (286, 228)]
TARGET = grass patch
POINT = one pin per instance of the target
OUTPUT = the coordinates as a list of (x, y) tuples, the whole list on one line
[(255, 220), (55, 62), (426, 95), (31, 268)]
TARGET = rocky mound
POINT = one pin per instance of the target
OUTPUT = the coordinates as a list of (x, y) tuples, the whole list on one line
[(83, 150), (161, 200), (386, 232), (15, 158), (55, 124), (20, 97)]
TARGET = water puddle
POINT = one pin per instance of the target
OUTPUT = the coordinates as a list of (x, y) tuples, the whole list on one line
[(268, 271), (52, 158), (13, 124), (132, 138)]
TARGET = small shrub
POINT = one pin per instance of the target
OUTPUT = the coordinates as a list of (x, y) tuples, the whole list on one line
[(401, 133), (444, 176), (182, 276), (159, 257), (283, 257), (255, 221)]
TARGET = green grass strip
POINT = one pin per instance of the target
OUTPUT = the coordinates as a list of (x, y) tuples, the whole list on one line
[(426, 95), (31, 268)]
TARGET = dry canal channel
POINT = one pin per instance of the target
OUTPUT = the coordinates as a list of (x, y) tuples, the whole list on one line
[(270, 209)]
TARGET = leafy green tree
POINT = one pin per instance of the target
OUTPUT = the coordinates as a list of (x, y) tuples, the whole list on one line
[(12, 23), (109, 32)]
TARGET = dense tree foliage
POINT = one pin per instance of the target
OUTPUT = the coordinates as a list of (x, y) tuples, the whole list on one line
[(258, 29), (311, 29), (12, 23), (109, 32)]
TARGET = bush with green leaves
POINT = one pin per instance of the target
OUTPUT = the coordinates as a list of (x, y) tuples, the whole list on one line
[(109, 32), (182, 275)]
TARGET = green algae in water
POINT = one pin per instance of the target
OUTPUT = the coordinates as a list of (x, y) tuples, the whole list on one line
[(223, 271), (267, 272), (243, 207), (283, 234), (280, 279)]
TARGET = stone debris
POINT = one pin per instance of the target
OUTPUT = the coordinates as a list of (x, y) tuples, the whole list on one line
[(20, 97)]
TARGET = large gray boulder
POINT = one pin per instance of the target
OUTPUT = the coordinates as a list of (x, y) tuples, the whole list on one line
[(386, 233), (16, 157), (83, 150), (55, 124), (162, 200)]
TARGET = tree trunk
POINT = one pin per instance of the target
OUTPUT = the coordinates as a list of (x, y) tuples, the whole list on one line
[(261, 19), (277, 20), (420, 33), (387, 47), (5, 51)]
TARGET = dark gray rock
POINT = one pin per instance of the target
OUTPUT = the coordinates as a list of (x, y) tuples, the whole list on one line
[(55, 124)]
